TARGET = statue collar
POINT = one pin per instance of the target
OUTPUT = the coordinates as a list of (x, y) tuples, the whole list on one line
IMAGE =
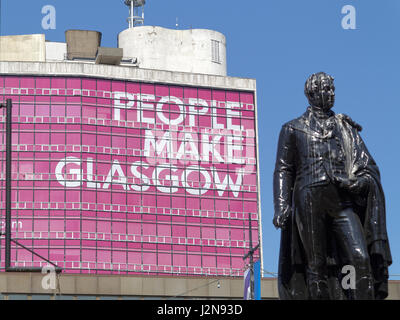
[(319, 113), (319, 122)]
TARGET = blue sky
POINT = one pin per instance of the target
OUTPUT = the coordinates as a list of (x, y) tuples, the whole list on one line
[(279, 43)]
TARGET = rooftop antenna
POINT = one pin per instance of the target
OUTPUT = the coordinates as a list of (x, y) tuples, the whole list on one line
[(136, 12)]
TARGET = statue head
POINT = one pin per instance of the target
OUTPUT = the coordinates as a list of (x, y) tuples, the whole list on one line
[(320, 90)]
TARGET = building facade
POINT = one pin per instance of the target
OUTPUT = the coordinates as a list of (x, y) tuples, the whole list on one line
[(128, 171)]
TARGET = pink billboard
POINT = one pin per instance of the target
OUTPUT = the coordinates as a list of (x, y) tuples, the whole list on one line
[(128, 177)]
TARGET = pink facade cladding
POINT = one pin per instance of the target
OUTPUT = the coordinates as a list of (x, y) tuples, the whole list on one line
[(128, 177)]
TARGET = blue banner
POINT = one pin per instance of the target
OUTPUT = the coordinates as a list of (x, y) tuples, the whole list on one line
[(257, 280), (247, 289)]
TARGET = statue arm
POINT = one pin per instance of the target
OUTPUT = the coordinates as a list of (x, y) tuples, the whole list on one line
[(365, 170), (284, 176)]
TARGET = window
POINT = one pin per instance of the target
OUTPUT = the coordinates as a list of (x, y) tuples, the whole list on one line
[(215, 51)]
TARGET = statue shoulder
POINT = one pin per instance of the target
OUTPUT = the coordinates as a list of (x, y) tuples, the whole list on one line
[(350, 121), (297, 123)]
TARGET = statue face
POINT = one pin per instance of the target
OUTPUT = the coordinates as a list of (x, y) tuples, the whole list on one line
[(320, 91)]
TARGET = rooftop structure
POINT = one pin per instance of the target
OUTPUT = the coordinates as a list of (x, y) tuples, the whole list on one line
[(136, 12)]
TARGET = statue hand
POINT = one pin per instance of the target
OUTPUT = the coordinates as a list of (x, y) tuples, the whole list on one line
[(360, 185), (280, 220), (356, 185)]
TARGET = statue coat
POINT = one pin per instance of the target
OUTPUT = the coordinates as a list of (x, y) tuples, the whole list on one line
[(311, 155)]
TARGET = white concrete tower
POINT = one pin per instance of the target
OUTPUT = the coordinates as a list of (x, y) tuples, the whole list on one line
[(194, 50)]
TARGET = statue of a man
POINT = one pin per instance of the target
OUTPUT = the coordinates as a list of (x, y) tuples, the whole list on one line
[(329, 204)]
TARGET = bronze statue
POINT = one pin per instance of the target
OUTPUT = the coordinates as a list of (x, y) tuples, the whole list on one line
[(329, 204)]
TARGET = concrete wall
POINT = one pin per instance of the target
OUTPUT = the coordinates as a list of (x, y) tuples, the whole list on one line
[(138, 286), (142, 286), (56, 51), (23, 48), (174, 50), (127, 73)]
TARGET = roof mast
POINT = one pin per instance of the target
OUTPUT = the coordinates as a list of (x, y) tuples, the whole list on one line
[(136, 12)]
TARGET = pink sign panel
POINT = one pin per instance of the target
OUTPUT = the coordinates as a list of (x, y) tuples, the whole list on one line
[(126, 177)]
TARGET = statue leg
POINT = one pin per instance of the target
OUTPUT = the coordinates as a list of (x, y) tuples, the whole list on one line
[(311, 224), (350, 238)]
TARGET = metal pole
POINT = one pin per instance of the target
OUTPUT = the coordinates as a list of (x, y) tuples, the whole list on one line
[(8, 183), (251, 261), (8, 201), (132, 13)]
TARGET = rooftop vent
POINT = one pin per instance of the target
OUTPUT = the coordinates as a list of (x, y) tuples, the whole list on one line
[(82, 44), (112, 56)]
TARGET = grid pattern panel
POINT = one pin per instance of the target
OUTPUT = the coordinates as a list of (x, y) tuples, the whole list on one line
[(125, 177)]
